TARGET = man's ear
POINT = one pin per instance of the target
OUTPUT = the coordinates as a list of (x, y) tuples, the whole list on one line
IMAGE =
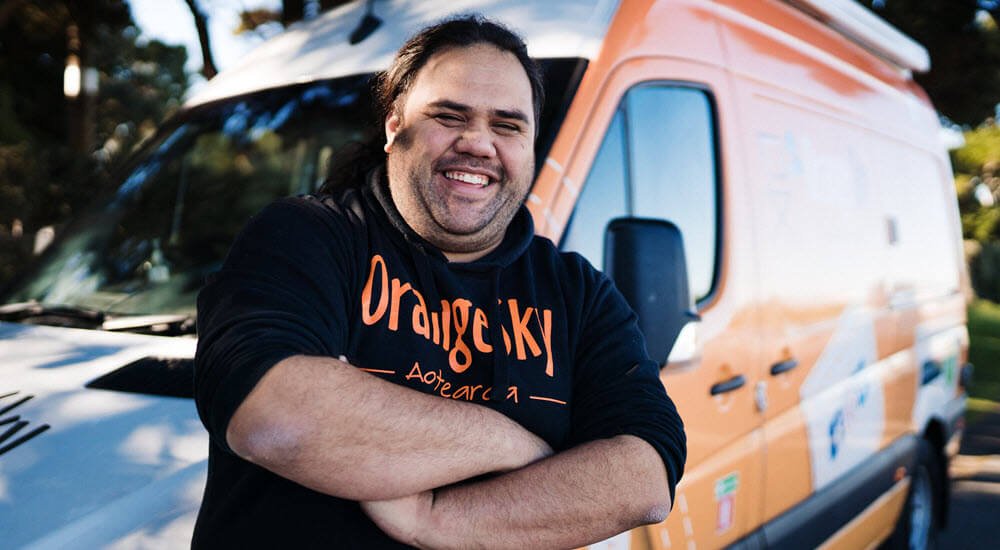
[(391, 130)]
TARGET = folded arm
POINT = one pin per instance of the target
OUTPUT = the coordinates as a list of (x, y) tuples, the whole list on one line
[(627, 450), (333, 428), (577, 497)]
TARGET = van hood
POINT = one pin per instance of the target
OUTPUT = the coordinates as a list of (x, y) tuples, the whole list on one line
[(113, 467)]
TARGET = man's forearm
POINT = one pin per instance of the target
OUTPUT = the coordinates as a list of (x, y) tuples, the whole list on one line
[(326, 425), (575, 498)]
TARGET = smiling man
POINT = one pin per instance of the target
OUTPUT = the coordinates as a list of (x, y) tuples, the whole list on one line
[(402, 362), (460, 146)]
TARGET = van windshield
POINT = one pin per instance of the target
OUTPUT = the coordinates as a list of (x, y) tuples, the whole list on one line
[(148, 247)]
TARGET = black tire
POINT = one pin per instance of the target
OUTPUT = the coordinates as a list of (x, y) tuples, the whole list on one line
[(918, 526)]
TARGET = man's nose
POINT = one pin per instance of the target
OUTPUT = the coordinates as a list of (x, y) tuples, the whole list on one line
[(476, 140)]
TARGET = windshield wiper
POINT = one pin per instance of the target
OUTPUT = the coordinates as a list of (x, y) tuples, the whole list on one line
[(50, 314), (77, 317), (160, 325)]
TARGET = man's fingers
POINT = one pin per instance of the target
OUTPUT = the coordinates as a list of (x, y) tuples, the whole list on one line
[(401, 518)]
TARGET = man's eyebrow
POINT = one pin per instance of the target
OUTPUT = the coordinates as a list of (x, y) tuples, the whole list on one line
[(448, 104), (515, 114)]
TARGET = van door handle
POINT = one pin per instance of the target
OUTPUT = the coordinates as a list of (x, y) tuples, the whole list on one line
[(784, 366), (931, 370), (733, 383)]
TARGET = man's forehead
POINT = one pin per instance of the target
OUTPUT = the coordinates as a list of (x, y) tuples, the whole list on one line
[(476, 76)]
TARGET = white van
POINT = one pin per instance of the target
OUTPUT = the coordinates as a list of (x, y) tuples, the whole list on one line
[(822, 388)]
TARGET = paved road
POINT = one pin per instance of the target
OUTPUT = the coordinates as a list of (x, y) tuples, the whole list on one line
[(975, 499)]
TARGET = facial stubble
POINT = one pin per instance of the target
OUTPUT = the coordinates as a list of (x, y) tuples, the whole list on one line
[(436, 226)]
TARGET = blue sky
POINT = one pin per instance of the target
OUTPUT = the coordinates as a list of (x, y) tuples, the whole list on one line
[(170, 21)]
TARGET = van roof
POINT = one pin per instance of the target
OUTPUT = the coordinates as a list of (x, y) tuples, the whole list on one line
[(320, 48), (867, 29)]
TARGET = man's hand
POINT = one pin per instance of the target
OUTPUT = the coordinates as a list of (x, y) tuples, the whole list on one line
[(572, 499), (403, 518)]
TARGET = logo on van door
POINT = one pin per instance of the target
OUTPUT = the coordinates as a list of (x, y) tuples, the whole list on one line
[(725, 500), (844, 418)]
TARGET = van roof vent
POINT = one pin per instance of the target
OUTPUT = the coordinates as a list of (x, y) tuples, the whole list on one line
[(15, 422), (869, 30)]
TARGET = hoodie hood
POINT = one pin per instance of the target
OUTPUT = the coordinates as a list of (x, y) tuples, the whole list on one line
[(427, 258)]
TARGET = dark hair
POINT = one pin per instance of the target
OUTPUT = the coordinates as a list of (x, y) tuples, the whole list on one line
[(353, 162)]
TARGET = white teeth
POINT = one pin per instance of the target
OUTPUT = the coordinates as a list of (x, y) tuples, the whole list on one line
[(475, 179)]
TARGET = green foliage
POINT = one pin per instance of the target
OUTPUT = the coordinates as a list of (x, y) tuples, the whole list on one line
[(964, 45), (251, 19), (977, 171), (140, 86), (984, 270), (982, 148), (984, 349)]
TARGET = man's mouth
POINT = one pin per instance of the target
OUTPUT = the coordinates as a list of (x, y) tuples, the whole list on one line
[(481, 180)]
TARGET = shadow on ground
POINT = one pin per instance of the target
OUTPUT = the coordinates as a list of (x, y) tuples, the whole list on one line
[(974, 522)]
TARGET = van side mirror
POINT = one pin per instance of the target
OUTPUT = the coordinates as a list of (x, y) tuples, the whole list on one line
[(645, 259)]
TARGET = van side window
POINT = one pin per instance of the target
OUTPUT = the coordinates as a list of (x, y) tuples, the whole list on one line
[(658, 160), (602, 199), (673, 170)]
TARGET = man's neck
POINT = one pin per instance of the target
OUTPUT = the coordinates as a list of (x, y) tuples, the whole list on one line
[(465, 257)]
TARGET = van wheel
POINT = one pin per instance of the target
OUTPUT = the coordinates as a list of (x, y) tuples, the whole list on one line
[(918, 522)]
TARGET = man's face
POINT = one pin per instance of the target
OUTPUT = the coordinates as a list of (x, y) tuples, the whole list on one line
[(460, 149)]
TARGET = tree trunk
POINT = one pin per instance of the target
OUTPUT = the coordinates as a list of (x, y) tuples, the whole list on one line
[(81, 124), (208, 69), (7, 9)]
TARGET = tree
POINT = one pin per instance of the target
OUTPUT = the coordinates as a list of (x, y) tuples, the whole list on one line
[(208, 69), (977, 181), (964, 45), (290, 12), (43, 179)]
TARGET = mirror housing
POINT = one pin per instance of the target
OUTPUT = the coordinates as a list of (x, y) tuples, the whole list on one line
[(645, 259)]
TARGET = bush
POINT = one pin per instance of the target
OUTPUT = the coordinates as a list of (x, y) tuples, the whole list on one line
[(982, 146), (984, 349), (984, 270)]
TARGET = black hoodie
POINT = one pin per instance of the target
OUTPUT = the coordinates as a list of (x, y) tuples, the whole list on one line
[(345, 275)]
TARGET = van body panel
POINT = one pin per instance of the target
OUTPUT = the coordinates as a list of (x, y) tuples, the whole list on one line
[(804, 30), (717, 505), (874, 524), (783, 438), (762, 53), (900, 386), (938, 356), (828, 510)]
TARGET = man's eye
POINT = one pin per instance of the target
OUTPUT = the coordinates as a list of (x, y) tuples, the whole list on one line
[(508, 127), (447, 117)]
